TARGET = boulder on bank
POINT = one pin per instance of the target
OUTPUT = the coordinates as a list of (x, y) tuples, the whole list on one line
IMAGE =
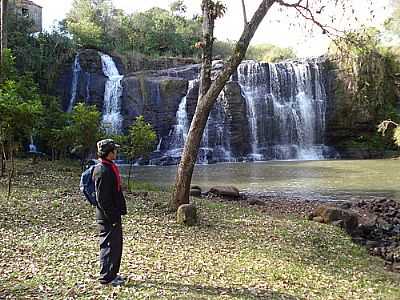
[(195, 191), (225, 191), (346, 219), (186, 214)]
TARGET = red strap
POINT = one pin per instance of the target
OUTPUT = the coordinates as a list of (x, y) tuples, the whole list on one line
[(115, 170)]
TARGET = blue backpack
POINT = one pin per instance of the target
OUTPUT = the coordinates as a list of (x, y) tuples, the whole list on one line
[(87, 186)]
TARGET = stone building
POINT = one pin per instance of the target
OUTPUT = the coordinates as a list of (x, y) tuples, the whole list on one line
[(28, 9)]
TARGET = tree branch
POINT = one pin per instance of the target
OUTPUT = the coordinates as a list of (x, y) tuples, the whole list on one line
[(305, 11), (244, 13)]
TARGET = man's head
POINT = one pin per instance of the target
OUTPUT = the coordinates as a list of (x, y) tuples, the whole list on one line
[(107, 149)]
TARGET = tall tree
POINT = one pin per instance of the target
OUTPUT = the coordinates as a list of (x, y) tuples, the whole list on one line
[(3, 27), (209, 92)]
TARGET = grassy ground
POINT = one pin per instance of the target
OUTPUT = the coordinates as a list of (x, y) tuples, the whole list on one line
[(49, 250)]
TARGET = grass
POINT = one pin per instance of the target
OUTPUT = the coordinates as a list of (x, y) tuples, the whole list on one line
[(49, 249)]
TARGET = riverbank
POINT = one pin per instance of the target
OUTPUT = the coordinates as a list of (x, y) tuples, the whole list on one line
[(49, 249)]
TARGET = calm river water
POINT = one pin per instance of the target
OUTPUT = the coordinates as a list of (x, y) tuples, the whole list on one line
[(336, 179)]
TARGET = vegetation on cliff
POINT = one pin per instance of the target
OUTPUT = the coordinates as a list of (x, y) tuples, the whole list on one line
[(365, 88)]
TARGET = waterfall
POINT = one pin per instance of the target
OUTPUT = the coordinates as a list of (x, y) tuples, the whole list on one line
[(285, 108), (76, 70), (179, 132), (112, 118)]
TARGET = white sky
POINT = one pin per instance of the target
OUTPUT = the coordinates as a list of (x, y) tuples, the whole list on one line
[(272, 30)]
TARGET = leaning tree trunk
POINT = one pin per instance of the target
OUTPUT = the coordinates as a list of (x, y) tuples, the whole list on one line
[(204, 105), (3, 28)]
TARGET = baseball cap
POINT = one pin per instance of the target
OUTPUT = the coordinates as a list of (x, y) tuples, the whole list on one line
[(106, 146)]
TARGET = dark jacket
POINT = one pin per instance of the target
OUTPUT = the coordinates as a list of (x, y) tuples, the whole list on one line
[(111, 202)]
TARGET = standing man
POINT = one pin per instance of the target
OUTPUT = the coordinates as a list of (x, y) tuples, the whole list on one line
[(111, 206)]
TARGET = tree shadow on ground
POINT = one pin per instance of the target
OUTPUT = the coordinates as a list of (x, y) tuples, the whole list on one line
[(193, 290)]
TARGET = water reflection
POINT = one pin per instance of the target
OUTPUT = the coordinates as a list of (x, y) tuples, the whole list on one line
[(338, 177)]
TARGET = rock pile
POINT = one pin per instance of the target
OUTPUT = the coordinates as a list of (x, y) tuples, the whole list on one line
[(374, 224), (381, 235)]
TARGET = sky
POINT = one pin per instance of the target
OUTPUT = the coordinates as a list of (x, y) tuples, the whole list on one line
[(279, 27)]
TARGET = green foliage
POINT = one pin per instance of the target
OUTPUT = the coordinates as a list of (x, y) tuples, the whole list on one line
[(263, 52), (157, 32), (7, 68), (143, 186), (384, 126), (20, 109), (154, 32), (96, 24), (44, 54), (51, 131), (269, 53), (367, 73), (141, 139), (84, 129)]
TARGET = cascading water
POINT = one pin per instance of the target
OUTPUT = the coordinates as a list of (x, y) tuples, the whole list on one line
[(112, 118), (215, 143), (180, 130), (286, 109), (76, 70)]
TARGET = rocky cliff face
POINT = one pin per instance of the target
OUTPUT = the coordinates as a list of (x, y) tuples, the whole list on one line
[(352, 119), (262, 104), (156, 98)]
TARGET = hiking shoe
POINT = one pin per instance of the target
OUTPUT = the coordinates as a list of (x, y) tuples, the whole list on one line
[(121, 277), (117, 281)]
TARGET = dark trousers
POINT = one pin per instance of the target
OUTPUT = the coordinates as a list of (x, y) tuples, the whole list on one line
[(110, 251)]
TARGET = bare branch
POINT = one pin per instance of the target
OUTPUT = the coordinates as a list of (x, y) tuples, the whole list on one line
[(244, 13), (305, 11)]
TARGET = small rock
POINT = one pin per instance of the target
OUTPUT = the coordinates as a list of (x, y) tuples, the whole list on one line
[(256, 202), (195, 193), (187, 214), (195, 187), (334, 214)]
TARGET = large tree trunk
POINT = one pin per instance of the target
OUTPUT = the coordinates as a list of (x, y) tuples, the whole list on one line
[(207, 45), (204, 105), (3, 28)]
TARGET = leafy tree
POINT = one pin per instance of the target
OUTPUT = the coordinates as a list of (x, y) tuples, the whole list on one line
[(157, 32), (94, 23), (20, 110), (141, 140), (44, 54), (209, 91), (51, 131), (366, 73), (269, 53), (84, 128), (262, 52)]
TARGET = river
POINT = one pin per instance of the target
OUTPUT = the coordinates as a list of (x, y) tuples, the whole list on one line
[(329, 179)]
